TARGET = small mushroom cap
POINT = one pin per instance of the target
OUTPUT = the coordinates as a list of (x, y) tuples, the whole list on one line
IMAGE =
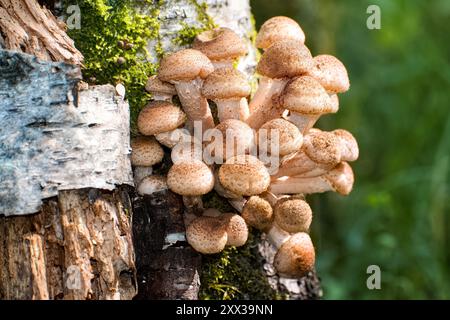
[(293, 215), (220, 44), (207, 235), (146, 151), (296, 257), (238, 138), (237, 230), (331, 73), (152, 184), (278, 29), (192, 178), (285, 59), (244, 175), (226, 83), (322, 147), (290, 137), (305, 95), (258, 213), (184, 65), (160, 116), (154, 85), (349, 145), (341, 178)]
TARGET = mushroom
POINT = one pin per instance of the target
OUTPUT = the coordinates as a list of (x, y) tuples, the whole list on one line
[(221, 45), (207, 235), (279, 63), (152, 184), (160, 90), (331, 73), (158, 117), (258, 213), (278, 29), (237, 230), (232, 138), (186, 69), (320, 153), (186, 151), (145, 153), (340, 179), (306, 100), (289, 137), (244, 175), (295, 257), (293, 215), (228, 88), (171, 138)]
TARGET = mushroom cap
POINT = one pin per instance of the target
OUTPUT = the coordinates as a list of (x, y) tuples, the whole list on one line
[(290, 137), (244, 175), (237, 230), (146, 151), (154, 85), (322, 147), (184, 65), (226, 83), (152, 184), (341, 178), (305, 95), (278, 29), (349, 145), (296, 257), (238, 138), (293, 215), (220, 44), (160, 116), (207, 235), (192, 178), (331, 73), (285, 59), (258, 213)]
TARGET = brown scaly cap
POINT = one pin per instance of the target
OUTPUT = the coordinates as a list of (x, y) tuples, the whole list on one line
[(236, 227), (226, 83), (220, 44), (160, 116), (258, 213), (278, 29), (331, 73), (244, 175), (184, 65), (341, 178), (285, 59), (322, 147), (154, 85), (305, 95), (296, 257), (293, 215), (207, 235), (290, 138), (192, 178), (146, 151)]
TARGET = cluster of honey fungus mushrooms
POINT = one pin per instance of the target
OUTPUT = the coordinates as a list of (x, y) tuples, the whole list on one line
[(294, 90)]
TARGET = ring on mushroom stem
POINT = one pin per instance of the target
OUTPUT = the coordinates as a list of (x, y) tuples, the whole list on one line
[(278, 29), (221, 45), (160, 90), (282, 61), (186, 69), (228, 88)]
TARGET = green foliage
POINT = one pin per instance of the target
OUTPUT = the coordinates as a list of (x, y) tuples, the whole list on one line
[(398, 215)]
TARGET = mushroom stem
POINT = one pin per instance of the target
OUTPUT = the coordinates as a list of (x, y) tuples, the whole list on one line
[(292, 185), (301, 165), (162, 97), (232, 109), (218, 64), (193, 204), (304, 122), (194, 104), (262, 107), (238, 203), (171, 138), (140, 172), (277, 236)]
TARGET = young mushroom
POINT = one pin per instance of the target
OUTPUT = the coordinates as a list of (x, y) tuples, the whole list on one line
[(221, 45), (145, 153), (258, 213), (152, 184), (279, 63), (228, 88), (340, 180), (186, 69), (306, 100), (278, 29), (293, 215), (236, 228), (207, 235), (331, 73), (290, 138), (159, 117), (160, 90)]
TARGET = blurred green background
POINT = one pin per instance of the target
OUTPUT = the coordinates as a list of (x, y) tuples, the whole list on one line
[(398, 216)]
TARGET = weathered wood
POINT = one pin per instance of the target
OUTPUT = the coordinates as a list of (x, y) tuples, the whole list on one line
[(57, 138), (78, 247)]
